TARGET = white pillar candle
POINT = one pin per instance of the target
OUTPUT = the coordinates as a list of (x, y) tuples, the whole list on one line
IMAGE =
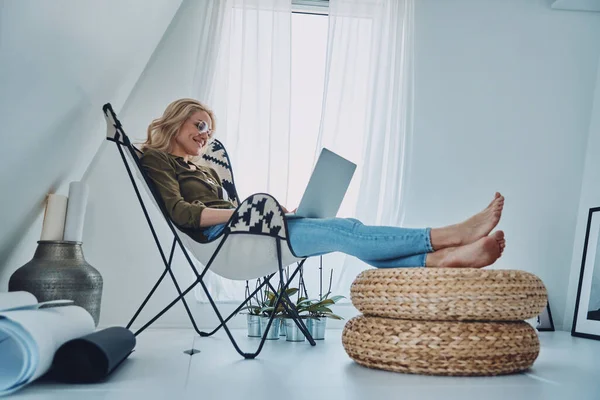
[(78, 195), (54, 217)]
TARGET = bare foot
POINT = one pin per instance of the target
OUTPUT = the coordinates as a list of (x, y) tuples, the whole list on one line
[(479, 254), (471, 230), (502, 244)]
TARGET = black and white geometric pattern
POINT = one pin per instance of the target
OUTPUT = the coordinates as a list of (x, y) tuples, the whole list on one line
[(216, 157), (259, 213)]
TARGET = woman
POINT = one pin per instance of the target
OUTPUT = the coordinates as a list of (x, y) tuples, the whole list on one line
[(194, 198)]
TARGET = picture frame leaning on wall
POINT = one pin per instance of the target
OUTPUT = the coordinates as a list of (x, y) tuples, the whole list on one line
[(586, 319)]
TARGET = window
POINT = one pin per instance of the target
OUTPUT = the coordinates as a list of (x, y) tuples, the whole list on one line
[(309, 48)]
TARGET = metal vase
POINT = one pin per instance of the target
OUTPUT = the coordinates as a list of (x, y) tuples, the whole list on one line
[(316, 327), (58, 271), (253, 325), (293, 333), (273, 333), (282, 331)]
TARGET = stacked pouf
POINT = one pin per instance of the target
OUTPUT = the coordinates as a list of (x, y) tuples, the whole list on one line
[(445, 321)]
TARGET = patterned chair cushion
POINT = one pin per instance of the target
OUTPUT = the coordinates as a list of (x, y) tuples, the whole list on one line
[(260, 214), (217, 158)]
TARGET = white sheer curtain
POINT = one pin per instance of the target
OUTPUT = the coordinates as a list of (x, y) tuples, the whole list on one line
[(250, 95), (212, 16), (367, 111)]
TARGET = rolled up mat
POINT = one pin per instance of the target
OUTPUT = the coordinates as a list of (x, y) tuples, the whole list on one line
[(29, 339), (17, 301), (93, 357), (10, 300)]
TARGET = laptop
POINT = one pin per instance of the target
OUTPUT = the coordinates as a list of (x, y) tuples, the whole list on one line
[(326, 187)]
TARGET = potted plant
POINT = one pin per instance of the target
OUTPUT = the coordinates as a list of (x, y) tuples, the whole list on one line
[(282, 330), (254, 313), (319, 310), (268, 309), (293, 332)]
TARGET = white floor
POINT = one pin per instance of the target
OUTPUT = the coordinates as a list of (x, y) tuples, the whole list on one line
[(567, 368)]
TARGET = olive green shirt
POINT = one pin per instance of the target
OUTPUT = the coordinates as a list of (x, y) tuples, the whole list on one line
[(185, 192)]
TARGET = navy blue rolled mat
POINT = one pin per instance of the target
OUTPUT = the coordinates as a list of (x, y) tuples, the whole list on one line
[(93, 357)]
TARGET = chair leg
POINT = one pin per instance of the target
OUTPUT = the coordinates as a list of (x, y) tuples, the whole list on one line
[(237, 310), (247, 356), (224, 323), (291, 309), (137, 313), (167, 308), (267, 279), (185, 304), (294, 311), (153, 289)]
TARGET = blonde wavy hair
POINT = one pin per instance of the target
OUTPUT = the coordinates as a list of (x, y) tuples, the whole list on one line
[(161, 131)]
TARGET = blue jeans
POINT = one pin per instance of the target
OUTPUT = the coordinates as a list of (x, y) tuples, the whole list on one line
[(379, 246)]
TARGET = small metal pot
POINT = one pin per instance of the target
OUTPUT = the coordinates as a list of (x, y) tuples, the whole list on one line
[(273, 333), (254, 325), (282, 327), (316, 327), (293, 333)]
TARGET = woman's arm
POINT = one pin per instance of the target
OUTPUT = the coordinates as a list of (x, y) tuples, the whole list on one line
[(158, 168), (215, 216)]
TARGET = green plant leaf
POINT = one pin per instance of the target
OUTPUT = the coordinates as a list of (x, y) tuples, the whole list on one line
[(326, 302), (320, 309), (304, 302), (332, 316), (253, 310), (337, 298)]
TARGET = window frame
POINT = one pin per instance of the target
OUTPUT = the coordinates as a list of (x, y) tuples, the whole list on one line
[(315, 7)]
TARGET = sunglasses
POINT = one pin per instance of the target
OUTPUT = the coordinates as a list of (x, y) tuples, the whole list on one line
[(203, 127)]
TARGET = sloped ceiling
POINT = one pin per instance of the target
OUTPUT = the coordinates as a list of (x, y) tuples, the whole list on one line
[(60, 61)]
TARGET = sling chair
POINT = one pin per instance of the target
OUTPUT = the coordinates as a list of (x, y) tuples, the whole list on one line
[(253, 245)]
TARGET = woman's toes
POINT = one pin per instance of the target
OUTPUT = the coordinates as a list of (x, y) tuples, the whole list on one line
[(498, 235)]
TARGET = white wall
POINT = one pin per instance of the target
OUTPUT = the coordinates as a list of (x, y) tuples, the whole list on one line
[(503, 97), (60, 61), (590, 197), (504, 93), (114, 217)]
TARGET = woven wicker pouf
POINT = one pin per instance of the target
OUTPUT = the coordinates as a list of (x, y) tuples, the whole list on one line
[(459, 294), (441, 347)]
